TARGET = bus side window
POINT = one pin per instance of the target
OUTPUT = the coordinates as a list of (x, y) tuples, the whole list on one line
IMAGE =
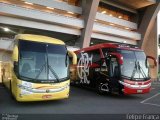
[(96, 55), (113, 67)]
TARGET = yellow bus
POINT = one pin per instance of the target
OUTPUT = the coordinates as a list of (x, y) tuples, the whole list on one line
[(38, 69)]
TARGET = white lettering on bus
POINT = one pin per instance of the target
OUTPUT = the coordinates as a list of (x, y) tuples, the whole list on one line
[(83, 67)]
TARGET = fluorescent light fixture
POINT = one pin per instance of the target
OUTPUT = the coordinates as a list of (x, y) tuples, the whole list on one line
[(95, 20), (103, 12), (70, 12), (6, 29), (50, 8), (28, 3)]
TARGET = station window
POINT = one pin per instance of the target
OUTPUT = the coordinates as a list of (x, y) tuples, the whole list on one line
[(113, 11)]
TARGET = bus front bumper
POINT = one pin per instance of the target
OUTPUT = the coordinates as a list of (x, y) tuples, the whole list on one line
[(43, 96), (135, 87), (42, 92)]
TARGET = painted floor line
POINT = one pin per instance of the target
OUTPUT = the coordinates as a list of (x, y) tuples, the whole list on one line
[(150, 98), (152, 104)]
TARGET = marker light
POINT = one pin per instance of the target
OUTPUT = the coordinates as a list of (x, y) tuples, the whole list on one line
[(50, 8), (6, 29), (28, 3), (103, 12)]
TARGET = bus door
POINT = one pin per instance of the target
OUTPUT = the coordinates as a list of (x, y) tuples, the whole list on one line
[(114, 71)]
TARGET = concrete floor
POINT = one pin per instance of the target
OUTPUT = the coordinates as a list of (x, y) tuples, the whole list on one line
[(84, 101)]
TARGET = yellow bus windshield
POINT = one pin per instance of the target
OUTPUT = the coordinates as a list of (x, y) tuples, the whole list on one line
[(42, 62)]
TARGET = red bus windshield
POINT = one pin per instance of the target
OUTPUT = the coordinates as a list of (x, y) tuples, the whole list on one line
[(134, 64)]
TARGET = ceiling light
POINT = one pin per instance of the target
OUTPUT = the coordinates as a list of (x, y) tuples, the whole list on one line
[(103, 12), (70, 12), (127, 28), (111, 24), (50, 8), (95, 20), (6, 29), (124, 41), (110, 15), (119, 16), (28, 3)]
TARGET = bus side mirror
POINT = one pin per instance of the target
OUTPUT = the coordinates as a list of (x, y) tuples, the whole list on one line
[(73, 63), (73, 57), (152, 58), (15, 53), (119, 57)]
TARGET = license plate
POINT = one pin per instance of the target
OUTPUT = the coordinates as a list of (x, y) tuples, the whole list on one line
[(139, 91), (46, 96)]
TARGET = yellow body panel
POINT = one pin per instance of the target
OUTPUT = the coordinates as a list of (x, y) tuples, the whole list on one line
[(13, 84), (24, 95), (39, 38)]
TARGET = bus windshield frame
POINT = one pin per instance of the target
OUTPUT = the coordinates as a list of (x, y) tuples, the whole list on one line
[(42, 62)]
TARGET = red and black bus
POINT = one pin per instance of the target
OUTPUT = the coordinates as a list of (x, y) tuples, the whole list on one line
[(113, 67)]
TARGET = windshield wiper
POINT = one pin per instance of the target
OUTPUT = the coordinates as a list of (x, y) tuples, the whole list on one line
[(141, 70), (49, 66), (134, 70), (40, 70), (51, 69), (138, 69), (53, 72)]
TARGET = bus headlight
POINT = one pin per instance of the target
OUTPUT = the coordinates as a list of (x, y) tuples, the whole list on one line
[(26, 84), (24, 88)]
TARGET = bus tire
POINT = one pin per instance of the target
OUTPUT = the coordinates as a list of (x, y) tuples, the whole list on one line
[(121, 93), (2, 80), (11, 90), (103, 88)]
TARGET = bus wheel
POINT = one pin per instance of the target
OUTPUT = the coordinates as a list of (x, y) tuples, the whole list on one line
[(2, 80), (121, 92), (11, 90), (103, 87)]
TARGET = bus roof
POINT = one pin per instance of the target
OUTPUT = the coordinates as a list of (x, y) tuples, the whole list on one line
[(38, 38), (109, 45)]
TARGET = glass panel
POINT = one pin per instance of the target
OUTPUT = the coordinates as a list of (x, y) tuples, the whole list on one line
[(42, 61), (129, 63), (58, 61), (143, 70)]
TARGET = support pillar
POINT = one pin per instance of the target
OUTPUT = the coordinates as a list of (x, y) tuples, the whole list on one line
[(89, 12), (148, 30)]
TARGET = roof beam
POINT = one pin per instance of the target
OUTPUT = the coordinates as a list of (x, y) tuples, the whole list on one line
[(57, 5), (120, 7)]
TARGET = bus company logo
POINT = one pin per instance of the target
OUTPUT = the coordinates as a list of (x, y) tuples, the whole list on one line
[(46, 96), (83, 67), (47, 91)]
